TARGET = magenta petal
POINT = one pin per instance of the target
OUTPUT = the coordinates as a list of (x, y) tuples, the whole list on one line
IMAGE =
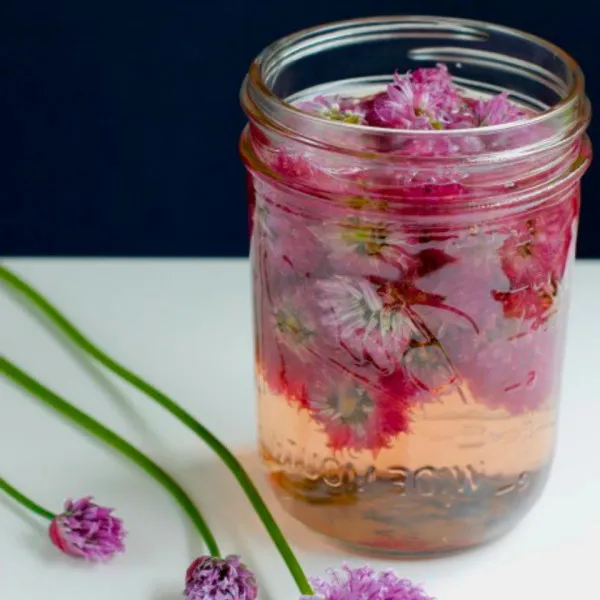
[(496, 111)]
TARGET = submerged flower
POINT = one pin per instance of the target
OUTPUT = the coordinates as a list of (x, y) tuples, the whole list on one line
[(335, 108), (304, 167), (87, 530), (364, 583), (519, 371), (292, 166), (534, 258), (537, 249), (294, 325), (362, 246), (428, 366), (536, 302), (290, 249), (369, 320), (376, 321), (287, 343), (212, 578), (356, 415)]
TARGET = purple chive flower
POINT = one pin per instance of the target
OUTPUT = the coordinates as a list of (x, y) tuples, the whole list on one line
[(364, 583), (496, 110), (425, 99), (87, 530), (211, 578)]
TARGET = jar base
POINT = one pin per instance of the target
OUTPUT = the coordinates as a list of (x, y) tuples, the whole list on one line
[(376, 520), (404, 555)]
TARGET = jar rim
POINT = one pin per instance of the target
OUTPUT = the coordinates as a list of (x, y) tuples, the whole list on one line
[(269, 103)]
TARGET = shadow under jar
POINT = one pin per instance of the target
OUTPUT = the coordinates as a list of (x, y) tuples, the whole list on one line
[(410, 302)]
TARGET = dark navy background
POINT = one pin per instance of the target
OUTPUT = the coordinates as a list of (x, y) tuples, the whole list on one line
[(120, 119)]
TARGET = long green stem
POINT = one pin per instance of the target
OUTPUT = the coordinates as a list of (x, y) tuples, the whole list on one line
[(114, 440), (22, 499), (77, 337)]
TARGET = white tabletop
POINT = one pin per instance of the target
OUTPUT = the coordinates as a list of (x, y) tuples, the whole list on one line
[(185, 325)]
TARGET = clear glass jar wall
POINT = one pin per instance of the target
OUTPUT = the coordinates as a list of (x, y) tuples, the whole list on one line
[(410, 304)]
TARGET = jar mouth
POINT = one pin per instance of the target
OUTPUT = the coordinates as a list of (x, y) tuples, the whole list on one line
[(262, 103)]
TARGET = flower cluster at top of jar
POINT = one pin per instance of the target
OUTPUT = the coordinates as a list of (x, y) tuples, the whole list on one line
[(363, 315), (422, 99)]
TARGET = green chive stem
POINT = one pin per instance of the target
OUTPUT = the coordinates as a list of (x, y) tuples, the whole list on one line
[(232, 463), (89, 424), (23, 500)]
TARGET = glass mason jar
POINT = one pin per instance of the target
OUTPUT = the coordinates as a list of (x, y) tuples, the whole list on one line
[(410, 305)]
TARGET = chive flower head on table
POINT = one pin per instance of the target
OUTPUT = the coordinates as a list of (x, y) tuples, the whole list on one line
[(86, 530), (364, 583), (83, 530), (213, 578)]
